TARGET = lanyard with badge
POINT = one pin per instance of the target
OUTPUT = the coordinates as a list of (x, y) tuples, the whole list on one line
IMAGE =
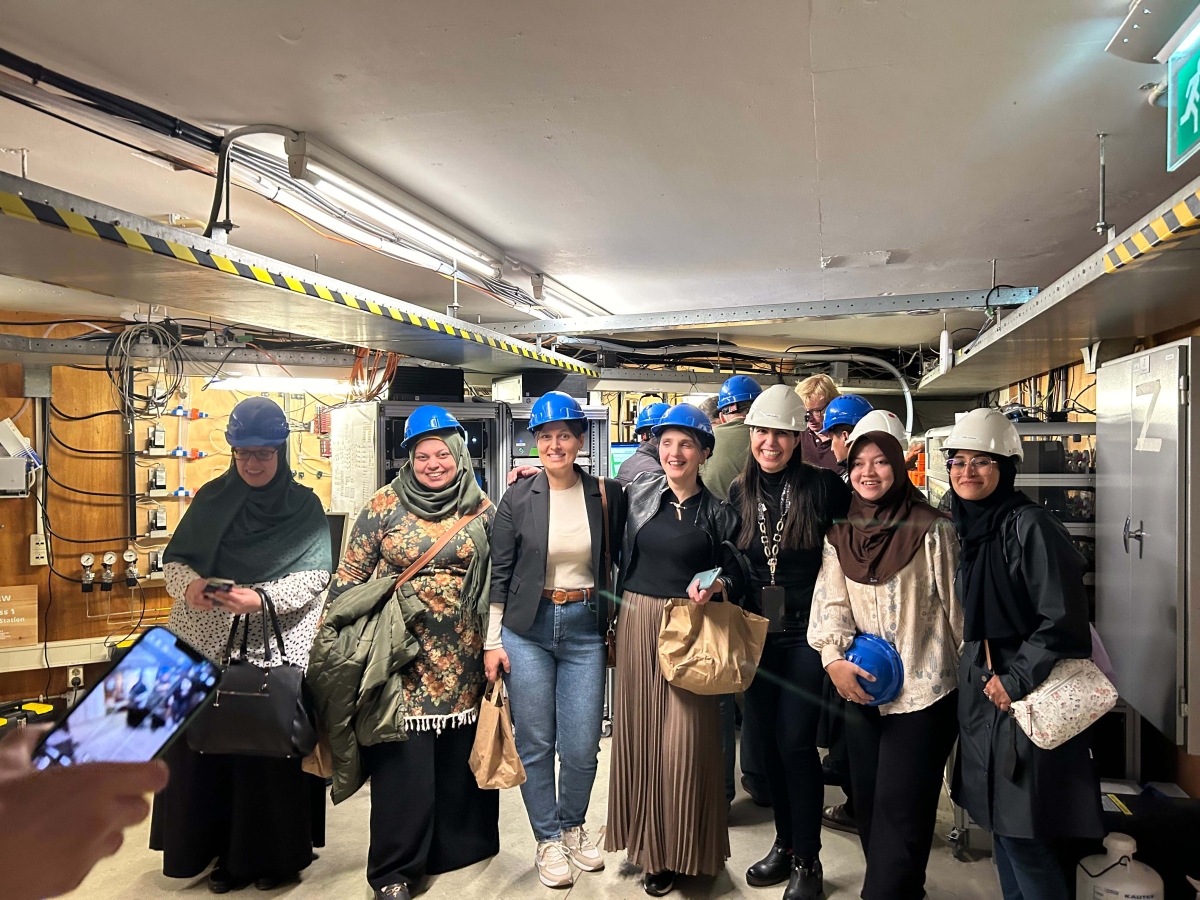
[(772, 595)]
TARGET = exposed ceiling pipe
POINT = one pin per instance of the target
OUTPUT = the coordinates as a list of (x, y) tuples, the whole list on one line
[(875, 361)]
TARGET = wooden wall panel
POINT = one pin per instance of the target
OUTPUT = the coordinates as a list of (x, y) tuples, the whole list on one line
[(103, 521)]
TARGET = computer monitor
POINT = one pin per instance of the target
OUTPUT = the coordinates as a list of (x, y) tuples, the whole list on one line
[(617, 454), (339, 532)]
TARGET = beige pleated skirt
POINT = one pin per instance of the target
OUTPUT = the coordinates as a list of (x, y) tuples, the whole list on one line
[(666, 796)]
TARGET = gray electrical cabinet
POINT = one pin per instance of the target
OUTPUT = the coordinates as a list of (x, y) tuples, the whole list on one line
[(1145, 546)]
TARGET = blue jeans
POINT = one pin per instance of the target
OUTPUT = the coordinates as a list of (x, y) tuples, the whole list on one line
[(556, 689), (1028, 869)]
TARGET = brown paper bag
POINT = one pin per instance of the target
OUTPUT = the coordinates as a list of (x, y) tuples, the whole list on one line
[(320, 761), (494, 757), (712, 648)]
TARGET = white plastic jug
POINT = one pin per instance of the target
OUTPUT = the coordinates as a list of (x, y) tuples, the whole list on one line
[(1117, 875)]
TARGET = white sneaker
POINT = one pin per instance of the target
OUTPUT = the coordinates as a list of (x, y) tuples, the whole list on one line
[(582, 851), (552, 866)]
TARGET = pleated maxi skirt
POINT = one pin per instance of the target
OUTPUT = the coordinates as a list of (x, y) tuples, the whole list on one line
[(666, 797)]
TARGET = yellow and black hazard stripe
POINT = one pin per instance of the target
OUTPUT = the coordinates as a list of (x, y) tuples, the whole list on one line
[(33, 211), (1178, 223)]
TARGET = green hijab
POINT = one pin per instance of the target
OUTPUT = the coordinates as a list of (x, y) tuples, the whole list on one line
[(232, 530), (461, 497)]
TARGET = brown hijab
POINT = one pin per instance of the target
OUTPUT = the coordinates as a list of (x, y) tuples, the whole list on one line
[(879, 539)]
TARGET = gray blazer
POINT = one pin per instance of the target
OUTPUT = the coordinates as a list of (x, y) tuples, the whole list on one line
[(521, 535)]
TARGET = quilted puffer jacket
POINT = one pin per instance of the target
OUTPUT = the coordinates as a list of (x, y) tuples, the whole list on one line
[(354, 673)]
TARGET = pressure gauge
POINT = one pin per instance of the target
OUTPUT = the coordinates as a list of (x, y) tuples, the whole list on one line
[(87, 560), (129, 556), (109, 559)]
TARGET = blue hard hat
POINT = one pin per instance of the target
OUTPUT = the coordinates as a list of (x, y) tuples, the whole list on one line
[(845, 409), (256, 422), (881, 659), (684, 415), (427, 419), (649, 416), (555, 406), (738, 389)]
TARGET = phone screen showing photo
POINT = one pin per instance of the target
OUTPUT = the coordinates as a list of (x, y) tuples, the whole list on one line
[(139, 706)]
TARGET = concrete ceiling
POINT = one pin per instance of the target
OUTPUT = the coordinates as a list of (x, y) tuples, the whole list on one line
[(652, 156)]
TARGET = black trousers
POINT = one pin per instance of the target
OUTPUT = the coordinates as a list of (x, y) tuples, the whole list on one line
[(897, 763), (783, 709), (259, 817), (428, 815)]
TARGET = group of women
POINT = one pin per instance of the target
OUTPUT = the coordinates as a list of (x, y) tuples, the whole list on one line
[(978, 607)]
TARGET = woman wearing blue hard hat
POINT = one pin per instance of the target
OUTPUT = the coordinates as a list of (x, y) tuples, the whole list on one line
[(1021, 583), (415, 734), (888, 625), (255, 526), (666, 800), (645, 460), (786, 508), (549, 618)]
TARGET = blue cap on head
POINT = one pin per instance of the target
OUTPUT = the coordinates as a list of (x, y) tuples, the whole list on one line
[(881, 659), (427, 420), (256, 422), (738, 389), (845, 409), (555, 406), (684, 415), (649, 416)]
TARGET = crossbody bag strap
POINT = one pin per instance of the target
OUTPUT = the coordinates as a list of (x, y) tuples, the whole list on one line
[(607, 543), (425, 558), (987, 652)]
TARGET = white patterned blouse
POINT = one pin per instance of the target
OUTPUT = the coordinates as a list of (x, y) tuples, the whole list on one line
[(916, 610)]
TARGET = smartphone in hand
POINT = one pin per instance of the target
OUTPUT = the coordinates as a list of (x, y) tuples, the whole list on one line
[(137, 709), (219, 585), (706, 579)]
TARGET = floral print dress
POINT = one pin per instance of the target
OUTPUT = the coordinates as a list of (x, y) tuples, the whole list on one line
[(444, 684)]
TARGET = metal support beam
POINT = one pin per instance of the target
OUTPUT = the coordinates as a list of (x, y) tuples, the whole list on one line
[(765, 314), (46, 351)]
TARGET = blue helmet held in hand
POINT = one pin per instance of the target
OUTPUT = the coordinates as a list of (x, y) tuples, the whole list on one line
[(845, 409), (738, 389), (555, 406), (256, 422), (684, 415), (649, 416), (428, 420), (875, 655)]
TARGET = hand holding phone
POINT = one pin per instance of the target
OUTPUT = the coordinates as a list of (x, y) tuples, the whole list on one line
[(704, 585), (218, 585)]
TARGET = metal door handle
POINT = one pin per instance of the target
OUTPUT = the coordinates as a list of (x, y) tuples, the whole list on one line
[(1137, 535)]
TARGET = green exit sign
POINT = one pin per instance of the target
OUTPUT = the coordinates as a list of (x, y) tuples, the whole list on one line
[(1183, 107)]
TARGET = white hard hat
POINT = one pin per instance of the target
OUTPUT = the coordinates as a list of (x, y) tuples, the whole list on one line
[(777, 407), (985, 430), (879, 420)]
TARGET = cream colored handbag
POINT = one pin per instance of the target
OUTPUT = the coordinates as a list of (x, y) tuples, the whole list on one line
[(1072, 697)]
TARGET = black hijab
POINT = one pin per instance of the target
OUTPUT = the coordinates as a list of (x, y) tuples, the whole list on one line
[(993, 607), (251, 535)]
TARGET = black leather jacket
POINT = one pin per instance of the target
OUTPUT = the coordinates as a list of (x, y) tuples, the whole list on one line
[(716, 517)]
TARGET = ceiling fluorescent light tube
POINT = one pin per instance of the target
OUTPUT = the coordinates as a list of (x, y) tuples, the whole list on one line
[(577, 302), (275, 384), (359, 236), (378, 207)]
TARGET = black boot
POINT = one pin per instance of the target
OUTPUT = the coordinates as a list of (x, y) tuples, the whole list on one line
[(807, 881), (659, 884), (774, 868)]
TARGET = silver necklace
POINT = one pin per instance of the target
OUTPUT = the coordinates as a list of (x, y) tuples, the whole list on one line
[(771, 543)]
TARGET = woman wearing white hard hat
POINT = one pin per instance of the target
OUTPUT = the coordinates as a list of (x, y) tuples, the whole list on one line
[(786, 507), (1020, 580), (888, 571)]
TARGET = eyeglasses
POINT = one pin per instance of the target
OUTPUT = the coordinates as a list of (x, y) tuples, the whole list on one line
[(978, 464), (262, 455), (815, 415)]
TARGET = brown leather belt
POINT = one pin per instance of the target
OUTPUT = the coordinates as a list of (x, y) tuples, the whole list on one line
[(560, 597)]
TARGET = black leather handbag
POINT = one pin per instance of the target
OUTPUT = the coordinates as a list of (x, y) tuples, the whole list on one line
[(258, 710)]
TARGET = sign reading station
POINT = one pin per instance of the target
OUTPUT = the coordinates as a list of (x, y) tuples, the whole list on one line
[(18, 615)]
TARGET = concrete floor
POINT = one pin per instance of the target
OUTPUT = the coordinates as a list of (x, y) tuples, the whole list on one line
[(135, 872)]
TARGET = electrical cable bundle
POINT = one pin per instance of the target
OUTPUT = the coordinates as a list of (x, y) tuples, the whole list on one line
[(119, 362), (372, 373)]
